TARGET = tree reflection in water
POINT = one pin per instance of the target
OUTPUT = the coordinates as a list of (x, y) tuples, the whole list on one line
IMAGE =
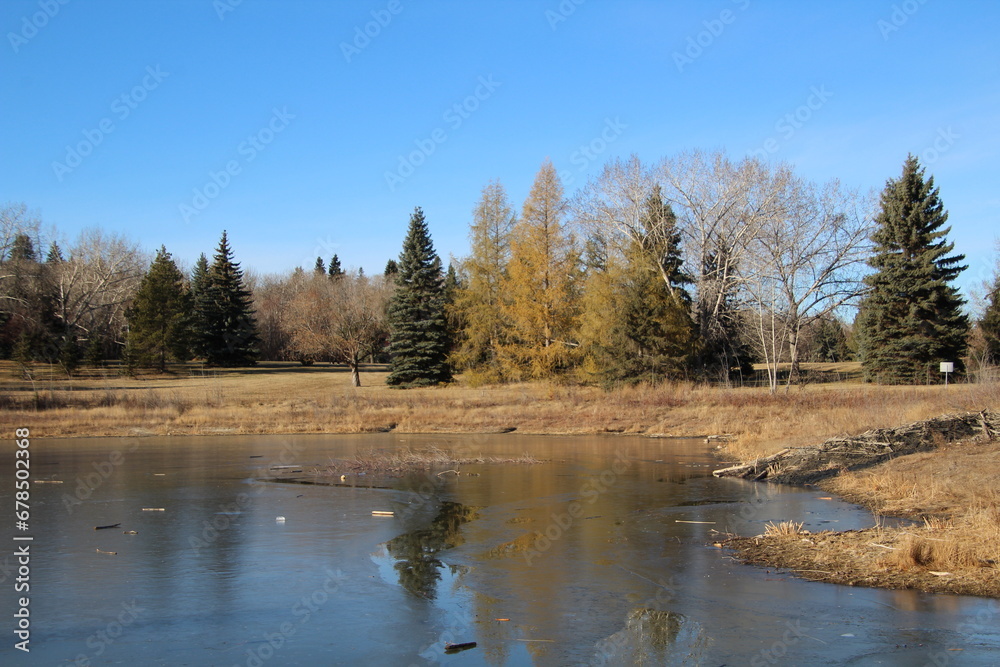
[(653, 637), (416, 552)]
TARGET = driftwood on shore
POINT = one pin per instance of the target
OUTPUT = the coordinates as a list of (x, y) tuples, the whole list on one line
[(805, 465)]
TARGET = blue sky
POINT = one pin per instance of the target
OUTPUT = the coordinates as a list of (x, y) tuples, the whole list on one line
[(279, 120)]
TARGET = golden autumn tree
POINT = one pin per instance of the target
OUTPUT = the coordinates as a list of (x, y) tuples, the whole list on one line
[(480, 299), (541, 284)]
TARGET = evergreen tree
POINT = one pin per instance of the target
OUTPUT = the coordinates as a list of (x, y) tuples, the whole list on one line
[(320, 266), (990, 324), (636, 323), (54, 255), (912, 316), (226, 313), (160, 316), (541, 284), (22, 249), (391, 268), (70, 354), (452, 288), (335, 270), (830, 341), (419, 340), (94, 355), (200, 307), (23, 354), (661, 243), (723, 352)]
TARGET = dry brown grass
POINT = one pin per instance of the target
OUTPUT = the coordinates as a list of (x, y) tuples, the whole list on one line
[(784, 528), (289, 398), (954, 489), (955, 493)]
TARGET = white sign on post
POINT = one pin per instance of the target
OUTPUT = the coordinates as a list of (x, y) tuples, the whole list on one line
[(947, 367)]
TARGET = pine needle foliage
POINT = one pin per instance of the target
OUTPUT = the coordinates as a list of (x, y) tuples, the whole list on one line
[(419, 333), (224, 309), (912, 319), (160, 316)]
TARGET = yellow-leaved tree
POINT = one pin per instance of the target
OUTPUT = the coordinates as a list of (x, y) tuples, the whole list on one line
[(479, 301), (541, 285)]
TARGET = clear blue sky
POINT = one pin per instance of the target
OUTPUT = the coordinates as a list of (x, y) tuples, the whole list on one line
[(310, 128)]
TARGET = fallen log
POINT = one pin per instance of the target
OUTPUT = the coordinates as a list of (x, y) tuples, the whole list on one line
[(455, 648), (804, 465), (114, 525)]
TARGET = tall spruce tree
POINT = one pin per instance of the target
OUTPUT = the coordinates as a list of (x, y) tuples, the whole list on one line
[(199, 306), (418, 323), (990, 323), (159, 318), (335, 270), (912, 317), (224, 310)]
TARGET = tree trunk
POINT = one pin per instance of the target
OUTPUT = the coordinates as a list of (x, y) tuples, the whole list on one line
[(355, 372)]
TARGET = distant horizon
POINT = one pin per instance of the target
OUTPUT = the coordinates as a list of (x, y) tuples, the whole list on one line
[(309, 130)]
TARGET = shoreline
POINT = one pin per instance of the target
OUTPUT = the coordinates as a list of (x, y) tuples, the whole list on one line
[(944, 487)]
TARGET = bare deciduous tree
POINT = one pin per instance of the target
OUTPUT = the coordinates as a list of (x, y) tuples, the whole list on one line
[(343, 320), (805, 261), (94, 285)]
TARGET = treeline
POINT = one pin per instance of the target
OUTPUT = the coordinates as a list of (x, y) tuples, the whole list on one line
[(696, 267)]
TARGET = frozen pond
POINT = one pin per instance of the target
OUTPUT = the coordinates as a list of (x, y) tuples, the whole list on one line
[(600, 555)]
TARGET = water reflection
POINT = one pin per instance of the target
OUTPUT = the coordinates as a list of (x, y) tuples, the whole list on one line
[(653, 637), (416, 552), (627, 573)]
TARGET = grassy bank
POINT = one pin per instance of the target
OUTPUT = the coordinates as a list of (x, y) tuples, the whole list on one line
[(289, 398), (953, 495)]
